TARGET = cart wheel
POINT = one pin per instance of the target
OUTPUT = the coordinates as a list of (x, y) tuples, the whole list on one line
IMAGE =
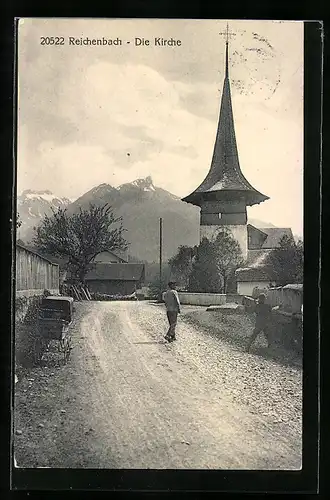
[(38, 350)]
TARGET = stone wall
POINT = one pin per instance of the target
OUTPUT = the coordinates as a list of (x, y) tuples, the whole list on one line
[(25, 328), (202, 299)]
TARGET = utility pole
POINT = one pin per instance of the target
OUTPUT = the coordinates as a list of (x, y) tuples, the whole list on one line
[(160, 257)]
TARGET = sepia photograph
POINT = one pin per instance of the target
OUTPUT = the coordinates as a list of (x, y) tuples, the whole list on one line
[(159, 248)]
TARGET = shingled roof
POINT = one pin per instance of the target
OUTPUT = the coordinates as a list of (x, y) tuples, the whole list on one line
[(252, 274), (274, 236), (117, 272), (225, 175)]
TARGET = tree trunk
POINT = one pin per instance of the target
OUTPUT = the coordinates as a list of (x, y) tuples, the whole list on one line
[(224, 285), (82, 275)]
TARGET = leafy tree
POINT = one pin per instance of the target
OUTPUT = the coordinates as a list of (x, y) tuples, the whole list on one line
[(81, 236), (228, 257), (215, 263), (181, 264), (204, 276), (154, 287), (286, 263)]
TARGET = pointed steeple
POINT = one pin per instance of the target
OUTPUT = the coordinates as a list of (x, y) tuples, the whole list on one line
[(226, 67), (225, 176)]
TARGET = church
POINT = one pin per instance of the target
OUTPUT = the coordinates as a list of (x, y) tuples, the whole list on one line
[(225, 194)]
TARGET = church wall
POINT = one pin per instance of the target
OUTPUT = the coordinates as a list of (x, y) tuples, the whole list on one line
[(223, 219), (223, 213), (239, 232)]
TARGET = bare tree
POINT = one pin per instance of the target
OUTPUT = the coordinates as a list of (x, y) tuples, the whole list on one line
[(81, 236)]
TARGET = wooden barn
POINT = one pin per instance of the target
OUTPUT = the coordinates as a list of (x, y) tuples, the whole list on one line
[(115, 279)]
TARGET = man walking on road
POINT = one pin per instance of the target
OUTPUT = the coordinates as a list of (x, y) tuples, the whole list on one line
[(172, 303), (263, 316)]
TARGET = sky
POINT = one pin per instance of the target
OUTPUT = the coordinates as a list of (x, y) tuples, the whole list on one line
[(93, 114)]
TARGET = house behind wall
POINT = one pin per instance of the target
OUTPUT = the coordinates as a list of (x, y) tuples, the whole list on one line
[(115, 279)]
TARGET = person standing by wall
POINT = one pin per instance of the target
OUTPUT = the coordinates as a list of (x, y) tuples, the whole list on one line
[(263, 318), (172, 303)]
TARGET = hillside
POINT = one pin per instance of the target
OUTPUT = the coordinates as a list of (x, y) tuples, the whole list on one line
[(141, 205)]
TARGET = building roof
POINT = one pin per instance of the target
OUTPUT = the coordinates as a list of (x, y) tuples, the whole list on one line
[(252, 274), (116, 254), (274, 236), (297, 287), (30, 250), (258, 257), (117, 272), (255, 269), (225, 175)]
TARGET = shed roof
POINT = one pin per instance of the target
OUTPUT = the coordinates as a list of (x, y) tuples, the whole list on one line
[(117, 272), (116, 254), (27, 249)]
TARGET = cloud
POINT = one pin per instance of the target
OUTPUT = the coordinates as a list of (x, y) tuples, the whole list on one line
[(94, 115)]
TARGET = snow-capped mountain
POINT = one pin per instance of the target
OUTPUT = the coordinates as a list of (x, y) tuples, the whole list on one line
[(140, 204), (32, 206)]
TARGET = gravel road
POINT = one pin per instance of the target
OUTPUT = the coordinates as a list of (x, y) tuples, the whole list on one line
[(127, 399)]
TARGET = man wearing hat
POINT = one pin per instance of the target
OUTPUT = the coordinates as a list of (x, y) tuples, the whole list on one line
[(172, 303), (263, 316)]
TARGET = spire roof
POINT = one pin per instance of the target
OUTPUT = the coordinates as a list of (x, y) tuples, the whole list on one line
[(225, 175)]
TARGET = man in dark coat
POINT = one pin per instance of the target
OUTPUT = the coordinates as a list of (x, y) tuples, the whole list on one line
[(263, 317)]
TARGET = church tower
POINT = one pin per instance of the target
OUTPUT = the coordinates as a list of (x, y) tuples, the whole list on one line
[(225, 193)]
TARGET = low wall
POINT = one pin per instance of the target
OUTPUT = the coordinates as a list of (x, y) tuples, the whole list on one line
[(234, 298), (26, 313), (202, 299)]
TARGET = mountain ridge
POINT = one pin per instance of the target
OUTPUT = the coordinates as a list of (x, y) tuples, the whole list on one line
[(140, 204)]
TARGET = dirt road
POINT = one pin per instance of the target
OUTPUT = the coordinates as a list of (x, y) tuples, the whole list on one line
[(127, 399)]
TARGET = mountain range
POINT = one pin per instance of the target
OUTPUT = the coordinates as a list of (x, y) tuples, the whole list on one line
[(139, 203)]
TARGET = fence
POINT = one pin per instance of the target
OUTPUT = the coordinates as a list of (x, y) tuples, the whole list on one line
[(290, 297), (34, 273)]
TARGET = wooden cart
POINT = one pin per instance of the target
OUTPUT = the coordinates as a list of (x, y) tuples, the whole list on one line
[(55, 318)]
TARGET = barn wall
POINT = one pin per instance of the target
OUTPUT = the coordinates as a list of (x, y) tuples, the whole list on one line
[(34, 274)]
